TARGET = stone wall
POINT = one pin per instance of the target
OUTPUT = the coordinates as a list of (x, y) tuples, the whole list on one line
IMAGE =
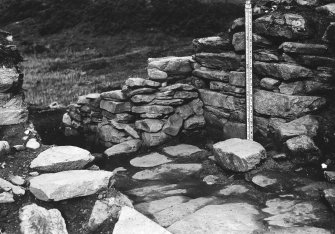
[(13, 109), (293, 78)]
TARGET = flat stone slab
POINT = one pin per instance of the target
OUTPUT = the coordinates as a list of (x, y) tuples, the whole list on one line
[(159, 205), (233, 190), (290, 213), (238, 155), (150, 160), (175, 213), (184, 150), (61, 158), (171, 171), (68, 184), (133, 222), (36, 219), (236, 218)]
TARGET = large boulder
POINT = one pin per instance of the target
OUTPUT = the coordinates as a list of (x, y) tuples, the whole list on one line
[(61, 158), (286, 106), (285, 26), (238, 155), (69, 184), (36, 219)]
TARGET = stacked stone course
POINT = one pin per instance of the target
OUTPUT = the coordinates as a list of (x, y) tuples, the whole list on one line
[(13, 109), (294, 66)]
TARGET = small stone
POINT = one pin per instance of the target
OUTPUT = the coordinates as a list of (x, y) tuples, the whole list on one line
[(140, 82), (7, 186), (154, 109), (19, 147), (154, 139), (4, 148), (237, 78), (34, 173), (171, 65), (330, 176), (116, 95), (6, 197), (210, 179), (238, 41), (211, 44), (269, 83), (17, 180), (184, 150), (36, 220), (149, 125), (329, 9), (238, 155), (115, 107), (233, 189), (263, 181), (150, 160), (194, 122), (156, 74), (67, 119), (119, 169), (126, 147), (173, 125)]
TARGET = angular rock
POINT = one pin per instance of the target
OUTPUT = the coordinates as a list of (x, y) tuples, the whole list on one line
[(17, 180), (61, 158), (6, 197), (126, 147), (184, 111), (69, 184), (238, 155), (263, 181), (173, 125), (13, 111), (306, 125), (258, 41), (220, 219), (140, 82), (330, 176), (329, 9), (224, 61), (156, 74), (329, 195), (171, 65), (117, 95), (282, 71), (143, 98), (233, 189), (107, 208), (286, 106), (184, 150), (9, 77), (303, 48), (115, 107), (133, 222), (108, 133), (209, 74), (171, 171), (237, 78), (4, 148), (150, 160), (149, 125), (154, 139), (302, 149), (266, 56), (213, 44), (130, 93), (269, 83), (159, 205), (287, 25), (36, 219), (194, 122), (175, 213)]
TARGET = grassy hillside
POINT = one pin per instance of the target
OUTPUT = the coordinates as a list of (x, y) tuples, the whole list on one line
[(73, 47)]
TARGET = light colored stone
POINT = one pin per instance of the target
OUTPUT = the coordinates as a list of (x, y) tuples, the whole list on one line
[(108, 133), (156, 74), (17, 180), (184, 150), (194, 122), (159, 205), (210, 179), (168, 171), (107, 208), (285, 106), (36, 219), (171, 65), (238, 155), (6, 197), (154, 139), (269, 83), (149, 125), (213, 44), (140, 82), (302, 149), (263, 181), (69, 184), (133, 222), (33, 144), (62, 158), (4, 148), (177, 212), (173, 125), (9, 76), (7, 186), (227, 218), (233, 190), (298, 230), (115, 107), (330, 176), (126, 147), (223, 61), (238, 41), (329, 195), (117, 95), (150, 160)]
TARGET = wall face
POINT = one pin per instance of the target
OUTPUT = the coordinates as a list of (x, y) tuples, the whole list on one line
[(293, 75), (13, 109)]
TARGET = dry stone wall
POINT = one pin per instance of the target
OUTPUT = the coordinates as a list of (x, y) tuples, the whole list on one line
[(294, 66), (13, 109)]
